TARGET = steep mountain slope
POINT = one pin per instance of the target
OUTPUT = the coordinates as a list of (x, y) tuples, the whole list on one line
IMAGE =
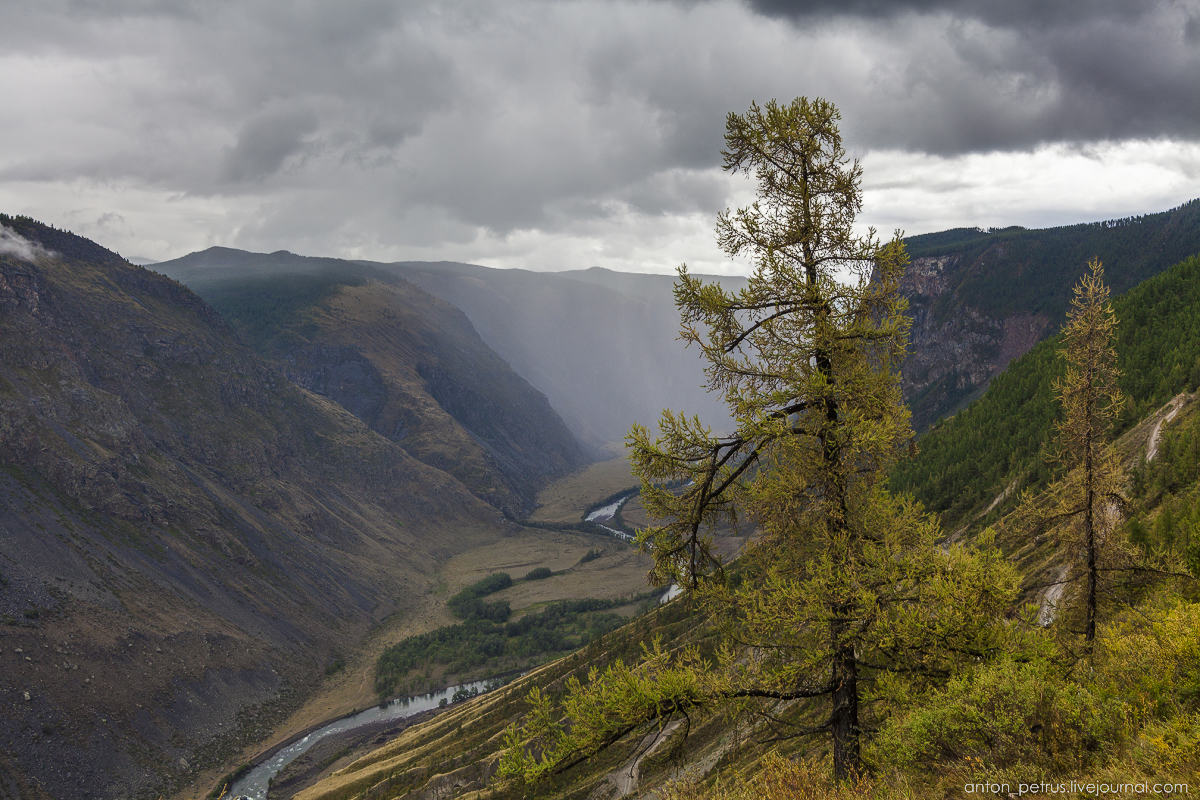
[(602, 345), (186, 536), (1139, 692), (408, 364), (980, 299), (968, 461)]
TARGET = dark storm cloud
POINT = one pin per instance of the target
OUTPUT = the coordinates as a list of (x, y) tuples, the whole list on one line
[(265, 140), (1010, 75), (1023, 13), (368, 126)]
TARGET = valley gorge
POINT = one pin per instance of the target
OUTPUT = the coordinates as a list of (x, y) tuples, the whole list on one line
[(187, 537), (219, 479)]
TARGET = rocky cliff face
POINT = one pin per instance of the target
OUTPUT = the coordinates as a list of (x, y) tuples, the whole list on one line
[(186, 536), (955, 349), (979, 299), (412, 367)]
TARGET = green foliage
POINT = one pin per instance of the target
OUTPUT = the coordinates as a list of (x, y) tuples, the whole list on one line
[(539, 574), (1004, 714), (591, 555), (484, 642), (1153, 659), (968, 460), (468, 605), (844, 583), (1132, 713), (780, 778), (1163, 520), (1176, 465), (1090, 401), (496, 582), (602, 710)]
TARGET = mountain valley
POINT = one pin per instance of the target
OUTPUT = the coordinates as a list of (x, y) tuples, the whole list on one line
[(224, 499), (189, 537)]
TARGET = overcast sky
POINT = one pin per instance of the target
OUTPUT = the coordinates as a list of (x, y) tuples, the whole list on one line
[(562, 135)]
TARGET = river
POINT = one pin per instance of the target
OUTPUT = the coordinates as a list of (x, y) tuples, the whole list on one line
[(253, 784), (608, 512)]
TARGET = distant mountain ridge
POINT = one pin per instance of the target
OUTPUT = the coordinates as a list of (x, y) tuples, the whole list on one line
[(408, 364), (601, 345), (979, 299)]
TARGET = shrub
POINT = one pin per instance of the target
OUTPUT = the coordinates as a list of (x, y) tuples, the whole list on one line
[(1156, 665), (591, 555), (541, 573), (781, 779), (1005, 714)]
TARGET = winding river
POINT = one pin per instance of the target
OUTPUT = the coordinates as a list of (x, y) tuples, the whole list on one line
[(253, 784), (608, 512)]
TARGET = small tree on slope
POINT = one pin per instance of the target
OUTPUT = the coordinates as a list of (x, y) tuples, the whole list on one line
[(845, 583), (1088, 500)]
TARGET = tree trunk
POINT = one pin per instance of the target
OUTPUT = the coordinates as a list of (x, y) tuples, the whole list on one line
[(1089, 532), (844, 720)]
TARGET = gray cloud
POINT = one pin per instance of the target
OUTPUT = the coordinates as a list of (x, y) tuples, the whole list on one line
[(13, 243), (380, 129), (265, 141), (1020, 13), (1009, 75)]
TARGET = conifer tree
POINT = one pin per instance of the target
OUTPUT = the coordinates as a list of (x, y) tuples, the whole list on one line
[(844, 582), (1089, 499)]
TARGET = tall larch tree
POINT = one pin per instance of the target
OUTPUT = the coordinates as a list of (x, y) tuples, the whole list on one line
[(1089, 499), (843, 583)]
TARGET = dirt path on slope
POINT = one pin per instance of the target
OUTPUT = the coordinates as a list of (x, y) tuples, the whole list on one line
[(1175, 404)]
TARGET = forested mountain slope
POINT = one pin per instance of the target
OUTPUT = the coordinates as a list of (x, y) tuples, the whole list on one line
[(969, 459), (408, 364), (186, 536), (981, 298)]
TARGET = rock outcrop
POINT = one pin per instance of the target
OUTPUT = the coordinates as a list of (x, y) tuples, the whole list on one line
[(979, 299)]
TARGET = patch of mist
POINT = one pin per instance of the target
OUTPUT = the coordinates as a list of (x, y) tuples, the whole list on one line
[(13, 243)]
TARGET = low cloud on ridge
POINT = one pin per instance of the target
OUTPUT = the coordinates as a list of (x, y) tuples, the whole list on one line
[(14, 244)]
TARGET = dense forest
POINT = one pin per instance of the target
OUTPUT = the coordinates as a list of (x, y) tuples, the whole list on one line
[(487, 643), (966, 461), (264, 309), (1048, 260)]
